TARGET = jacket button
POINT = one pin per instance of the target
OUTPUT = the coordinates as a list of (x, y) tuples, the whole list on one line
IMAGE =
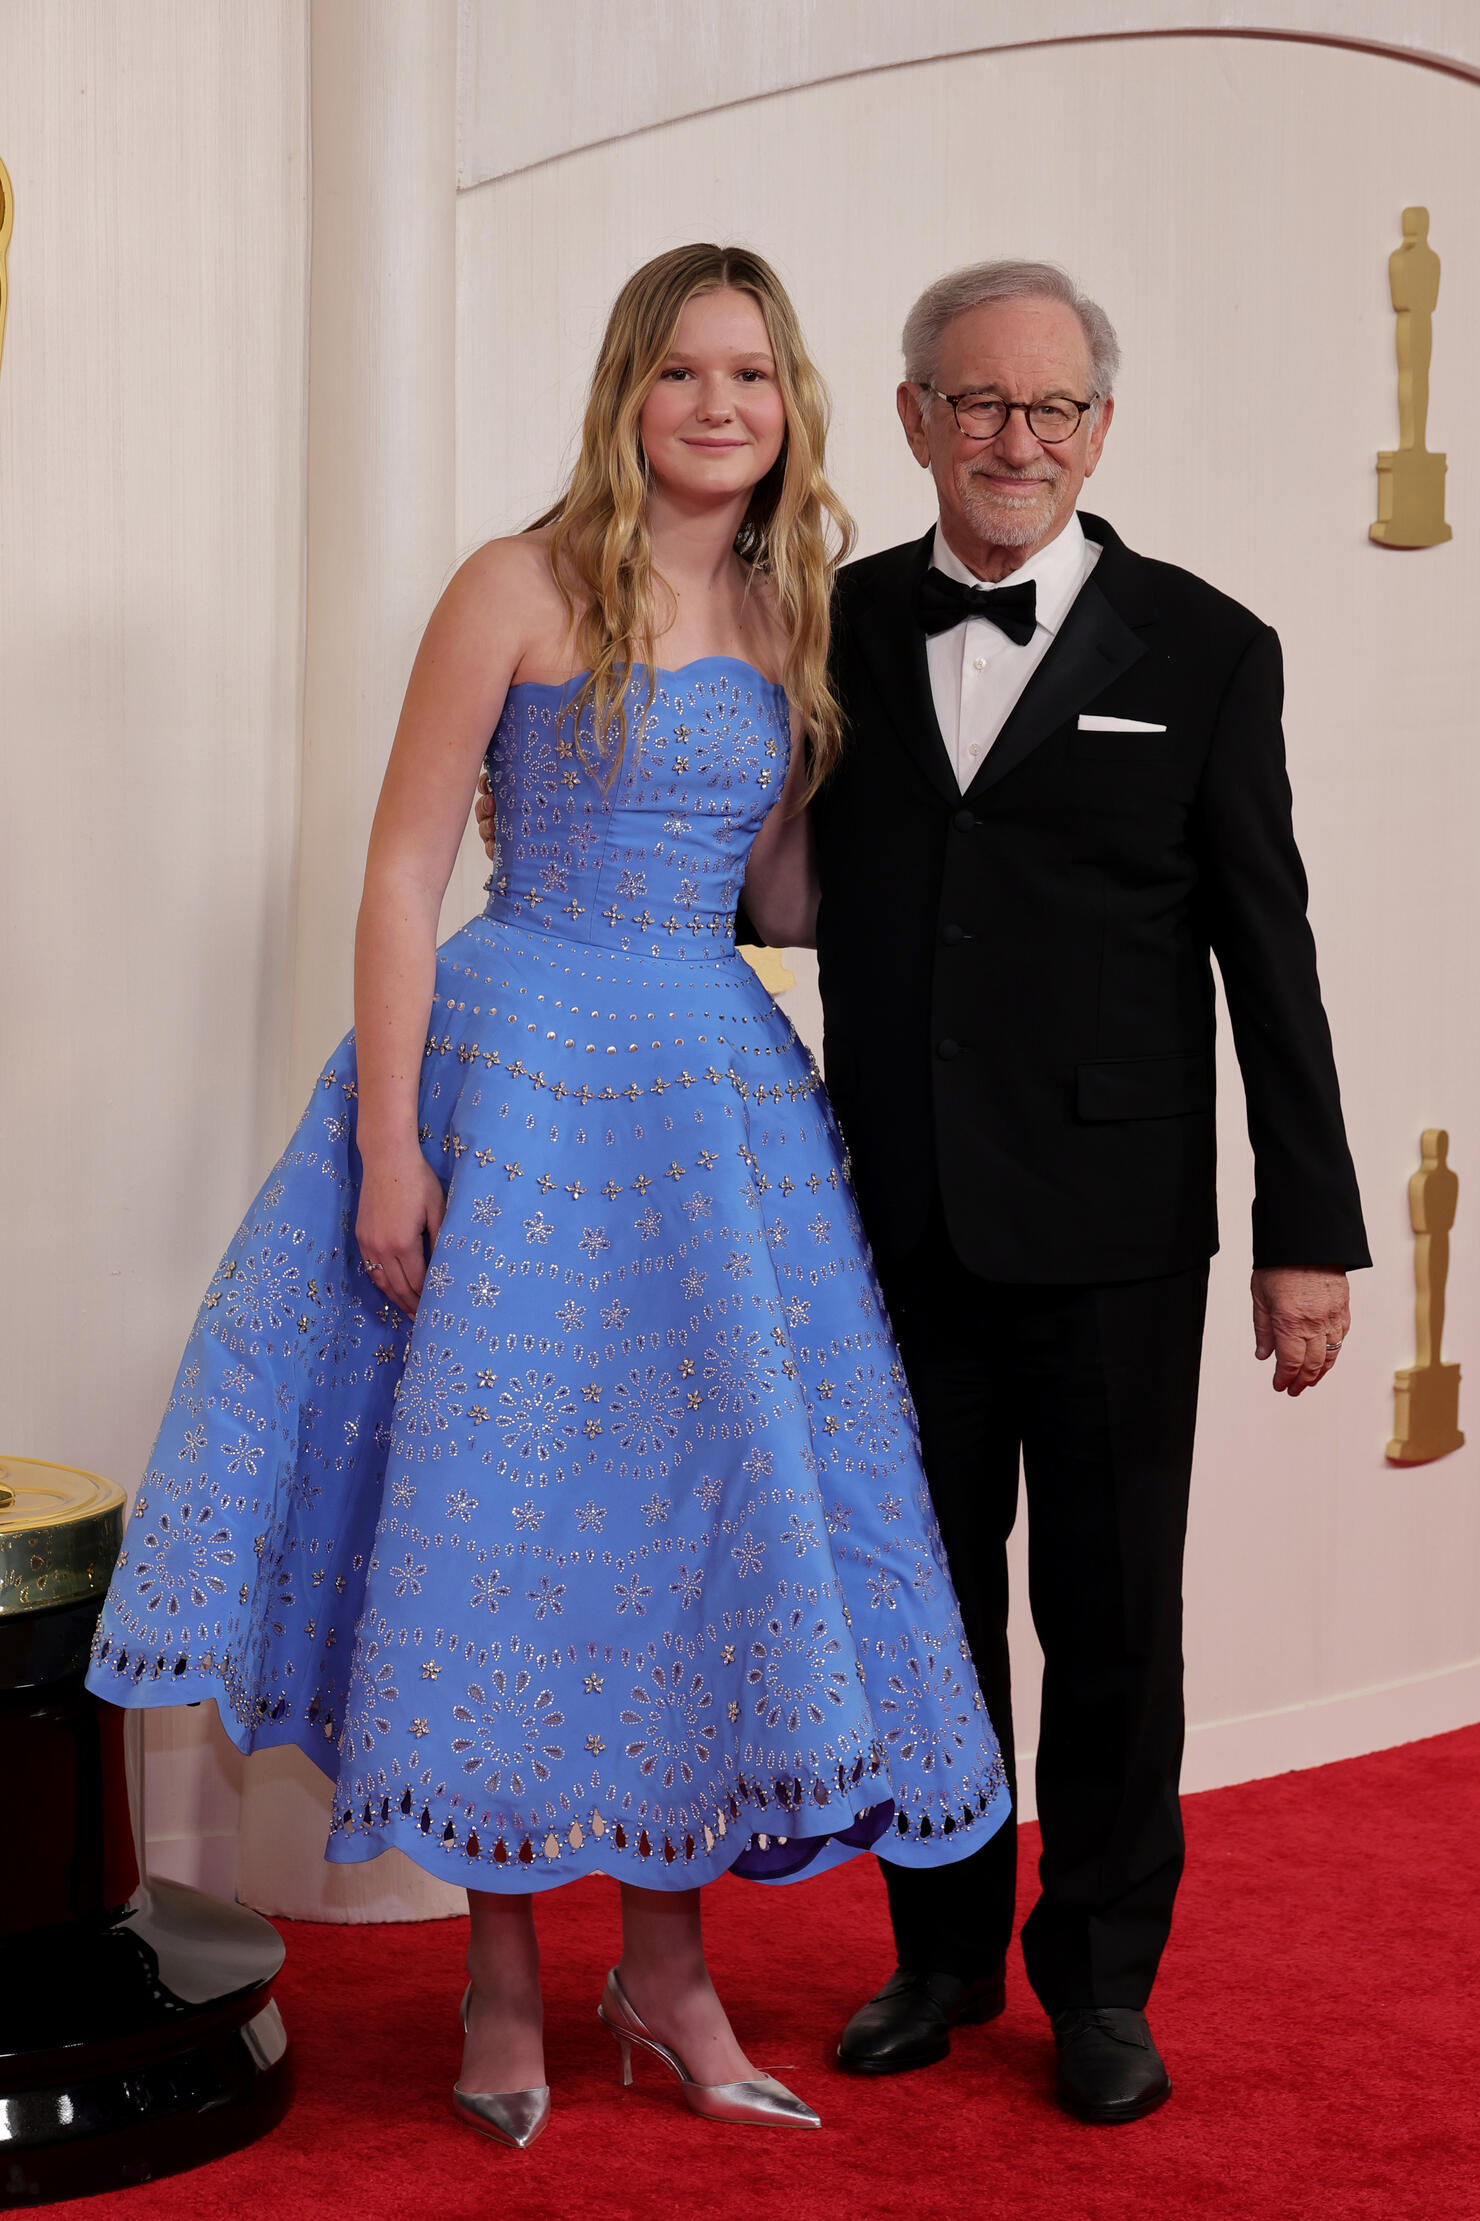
[(965, 821), (951, 934), (948, 1048)]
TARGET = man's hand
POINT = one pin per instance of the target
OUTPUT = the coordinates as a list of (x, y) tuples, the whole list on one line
[(1301, 1318), (483, 812)]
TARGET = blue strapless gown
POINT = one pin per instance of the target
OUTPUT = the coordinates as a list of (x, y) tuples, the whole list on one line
[(619, 1557)]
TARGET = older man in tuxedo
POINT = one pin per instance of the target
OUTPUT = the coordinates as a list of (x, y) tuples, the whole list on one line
[(1063, 791)]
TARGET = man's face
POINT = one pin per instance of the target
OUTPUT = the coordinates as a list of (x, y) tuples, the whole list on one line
[(1013, 491)]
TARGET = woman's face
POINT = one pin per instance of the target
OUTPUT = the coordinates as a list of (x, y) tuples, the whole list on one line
[(714, 422)]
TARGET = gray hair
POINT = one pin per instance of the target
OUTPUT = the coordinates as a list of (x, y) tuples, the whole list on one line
[(985, 282)]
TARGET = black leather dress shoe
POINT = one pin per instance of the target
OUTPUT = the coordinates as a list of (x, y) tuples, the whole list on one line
[(1109, 2069), (909, 2023)]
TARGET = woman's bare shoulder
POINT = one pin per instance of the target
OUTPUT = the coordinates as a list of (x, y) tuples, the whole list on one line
[(511, 575), (501, 607), (506, 589)]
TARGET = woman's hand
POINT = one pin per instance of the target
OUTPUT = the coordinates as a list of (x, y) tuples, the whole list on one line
[(483, 811), (401, 1201)]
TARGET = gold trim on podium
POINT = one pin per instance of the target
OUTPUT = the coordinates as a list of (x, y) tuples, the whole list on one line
[(60, 1532)]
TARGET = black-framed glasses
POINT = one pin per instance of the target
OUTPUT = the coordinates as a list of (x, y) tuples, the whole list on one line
[(981, 416)]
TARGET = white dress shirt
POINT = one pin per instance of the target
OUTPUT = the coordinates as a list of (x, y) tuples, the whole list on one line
[(976, 672)]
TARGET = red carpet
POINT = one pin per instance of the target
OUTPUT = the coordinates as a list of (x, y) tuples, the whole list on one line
[(1318, 2010)]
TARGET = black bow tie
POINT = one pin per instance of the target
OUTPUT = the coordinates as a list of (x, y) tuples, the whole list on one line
[(945, 602)]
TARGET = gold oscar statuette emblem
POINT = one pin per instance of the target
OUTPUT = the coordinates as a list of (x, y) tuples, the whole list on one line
[(1410, 481), (7, 226), (1426, 1394)]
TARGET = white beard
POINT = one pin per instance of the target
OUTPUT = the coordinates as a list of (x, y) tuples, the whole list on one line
[(1005, 524)]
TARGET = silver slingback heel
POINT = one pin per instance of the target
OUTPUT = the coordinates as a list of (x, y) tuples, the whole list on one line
[(765, 2101), (512, 2116)]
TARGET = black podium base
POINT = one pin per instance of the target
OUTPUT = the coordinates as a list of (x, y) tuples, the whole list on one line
[(135, 2047)]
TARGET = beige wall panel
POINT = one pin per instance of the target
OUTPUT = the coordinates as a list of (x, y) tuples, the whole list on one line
[(541, 78), (1234, 203)]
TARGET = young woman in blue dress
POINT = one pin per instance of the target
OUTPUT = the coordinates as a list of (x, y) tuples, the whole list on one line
[(545, 1398)]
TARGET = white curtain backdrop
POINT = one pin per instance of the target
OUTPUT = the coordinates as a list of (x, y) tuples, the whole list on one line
[(152, 505)]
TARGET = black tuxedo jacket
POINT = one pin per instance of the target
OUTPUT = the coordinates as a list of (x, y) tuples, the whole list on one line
[(1016, 983)]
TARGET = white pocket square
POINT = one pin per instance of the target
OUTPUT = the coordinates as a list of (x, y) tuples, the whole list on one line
[(1118, 725)]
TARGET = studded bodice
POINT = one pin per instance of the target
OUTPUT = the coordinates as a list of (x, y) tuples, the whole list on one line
[(651, 863)]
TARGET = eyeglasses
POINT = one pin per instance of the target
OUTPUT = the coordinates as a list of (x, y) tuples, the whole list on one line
[(981, 417)]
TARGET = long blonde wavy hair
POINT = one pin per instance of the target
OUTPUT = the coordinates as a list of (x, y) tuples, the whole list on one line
[(795, 531)]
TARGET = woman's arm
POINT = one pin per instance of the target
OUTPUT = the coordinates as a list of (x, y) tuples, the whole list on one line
[(781, 892), (467, 658)]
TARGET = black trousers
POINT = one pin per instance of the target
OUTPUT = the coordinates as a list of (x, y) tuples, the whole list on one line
[(1096, 1387)]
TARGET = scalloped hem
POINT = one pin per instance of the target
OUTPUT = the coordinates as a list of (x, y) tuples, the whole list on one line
[(654, 1861), (839, 1829)]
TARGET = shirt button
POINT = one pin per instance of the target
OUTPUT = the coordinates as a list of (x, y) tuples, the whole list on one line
[(948, 1049), (978, 663)]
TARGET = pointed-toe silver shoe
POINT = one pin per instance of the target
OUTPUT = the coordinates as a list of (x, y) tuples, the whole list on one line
[(763, 2102), (511, 2116)]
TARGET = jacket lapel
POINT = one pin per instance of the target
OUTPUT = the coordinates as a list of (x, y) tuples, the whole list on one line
[(890, 641), (1098, 640)]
